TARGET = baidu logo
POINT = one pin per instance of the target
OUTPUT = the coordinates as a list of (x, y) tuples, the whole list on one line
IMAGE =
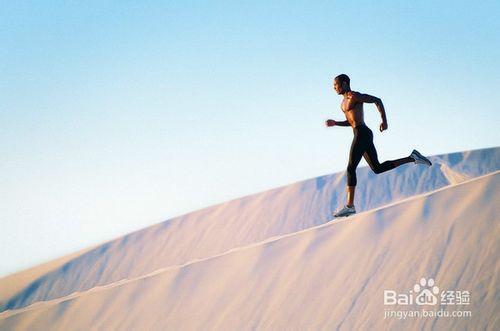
[(430, 300), (426, 293)]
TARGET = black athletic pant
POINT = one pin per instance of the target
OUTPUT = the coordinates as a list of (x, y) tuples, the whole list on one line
[(362, 145)]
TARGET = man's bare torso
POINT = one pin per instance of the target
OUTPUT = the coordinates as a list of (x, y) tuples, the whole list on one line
[(352, 110)]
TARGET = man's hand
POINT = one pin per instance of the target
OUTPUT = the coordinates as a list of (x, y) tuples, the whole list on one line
[(330, 123), (383, 126)]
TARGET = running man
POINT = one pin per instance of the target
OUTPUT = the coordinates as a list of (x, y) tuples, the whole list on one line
[(362, 143)]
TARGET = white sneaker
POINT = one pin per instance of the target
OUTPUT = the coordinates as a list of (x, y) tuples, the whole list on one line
[(419, 158), (345, 211)]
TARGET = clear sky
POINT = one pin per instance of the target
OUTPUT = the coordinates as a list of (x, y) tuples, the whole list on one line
[(115, 115)]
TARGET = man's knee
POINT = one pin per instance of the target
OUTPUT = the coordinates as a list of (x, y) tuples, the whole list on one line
[(351, 167)]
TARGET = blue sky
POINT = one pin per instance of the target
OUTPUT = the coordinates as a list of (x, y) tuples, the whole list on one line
[(118, 115)]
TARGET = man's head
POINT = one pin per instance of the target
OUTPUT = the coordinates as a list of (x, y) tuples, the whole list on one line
[(341, 84)]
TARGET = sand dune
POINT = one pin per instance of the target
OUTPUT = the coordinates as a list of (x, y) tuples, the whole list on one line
[(233, 224), (14, 283), (325, 277)]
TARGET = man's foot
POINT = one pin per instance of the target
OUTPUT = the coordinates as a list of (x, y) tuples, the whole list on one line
[(345, 211), (419, 158)]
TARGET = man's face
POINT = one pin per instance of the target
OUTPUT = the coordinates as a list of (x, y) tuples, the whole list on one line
[(337, 87)]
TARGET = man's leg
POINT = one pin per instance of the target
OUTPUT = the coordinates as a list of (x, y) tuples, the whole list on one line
[(358, 147), (371, 158)]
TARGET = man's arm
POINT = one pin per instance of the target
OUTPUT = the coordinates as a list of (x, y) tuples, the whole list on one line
[(366, 98), (337, 123), (342, 123)]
